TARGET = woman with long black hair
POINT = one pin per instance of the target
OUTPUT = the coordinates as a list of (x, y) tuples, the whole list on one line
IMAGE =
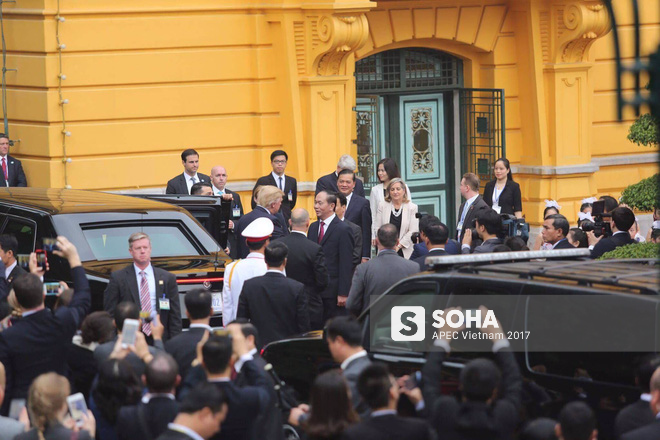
[(503, 194)]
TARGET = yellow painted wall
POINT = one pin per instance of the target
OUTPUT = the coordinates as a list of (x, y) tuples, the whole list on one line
[(238, 79)]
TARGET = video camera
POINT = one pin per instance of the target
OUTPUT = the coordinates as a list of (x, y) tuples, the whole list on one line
[(599, 225), (511, 227), (414, 237)]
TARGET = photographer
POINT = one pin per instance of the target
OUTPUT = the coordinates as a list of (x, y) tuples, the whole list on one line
[(34, 344), (621, 221), (488, 225)]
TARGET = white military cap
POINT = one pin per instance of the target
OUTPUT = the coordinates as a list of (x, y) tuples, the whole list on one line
[(259, 230)]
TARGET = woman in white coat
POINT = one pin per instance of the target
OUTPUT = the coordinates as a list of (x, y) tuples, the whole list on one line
[(400, 211), (386, 170)]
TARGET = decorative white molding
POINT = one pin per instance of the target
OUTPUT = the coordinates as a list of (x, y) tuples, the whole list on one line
[(592, 167)]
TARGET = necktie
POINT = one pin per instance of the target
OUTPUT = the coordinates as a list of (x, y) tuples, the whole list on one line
[(4, 168), (321, 232), (281, 186), (145, 301)]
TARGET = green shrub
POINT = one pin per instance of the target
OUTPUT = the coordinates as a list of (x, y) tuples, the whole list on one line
[(634, 250), (644, 131), (643, 195)]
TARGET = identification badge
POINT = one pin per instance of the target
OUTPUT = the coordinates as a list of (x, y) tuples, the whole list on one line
[(497, 208), (290, 196), (459, 226), (164, 303), (236, 212)]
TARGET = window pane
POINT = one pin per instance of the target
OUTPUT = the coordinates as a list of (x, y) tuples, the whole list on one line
[(112, 243), (24, 233)]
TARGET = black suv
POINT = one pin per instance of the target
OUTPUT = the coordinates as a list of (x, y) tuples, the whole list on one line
[(99, 225), (604, 379)]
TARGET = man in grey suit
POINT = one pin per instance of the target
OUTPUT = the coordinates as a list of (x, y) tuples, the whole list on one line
[(344, 337), (9, 428), (377, 275), (489, 224)]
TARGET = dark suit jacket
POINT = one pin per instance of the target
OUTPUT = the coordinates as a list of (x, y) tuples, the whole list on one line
[(351, 374), (156, 415), (338, 245), (276, 305), (648, 432), (37, 343), (610, 243), (102, 353), (15, 172), (15, 273), (453, 419), (357, 242), (359, 212), (233, 238), (269, 424), (486, 247), (564, 244), (56, 432), (476, 206), (177, 185), (329, 183), (246, 404), (174, 435), (278, 229), (433, 253), (510, 200), (306, 263), (183, 348), (123, 286), (290, 187), (632, 417), (389, 427)]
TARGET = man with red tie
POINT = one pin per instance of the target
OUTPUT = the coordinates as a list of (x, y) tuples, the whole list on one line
[(12, 170), (337, 241), (152, 288)]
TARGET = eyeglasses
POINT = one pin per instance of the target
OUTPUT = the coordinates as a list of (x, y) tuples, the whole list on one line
[(279, 162)]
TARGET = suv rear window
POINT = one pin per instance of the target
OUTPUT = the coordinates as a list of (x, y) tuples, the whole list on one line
[(111, 243)]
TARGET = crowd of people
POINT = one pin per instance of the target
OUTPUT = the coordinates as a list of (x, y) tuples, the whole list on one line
[(140, 376)]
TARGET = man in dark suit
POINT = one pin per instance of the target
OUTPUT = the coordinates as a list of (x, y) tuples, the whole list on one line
[(201, 414), (488, 226), (11, 270), (621, 217), (340, 211), (358, 210), (277, 178), (652, 430), (374, 277), (270, 424), (639, 413), (576, 422), (434, 235), (12, 170), (182, 183), (328, 182), (149, 418), (306, 263), (485, 411), (336, 239), (275, 304), (471, 206), (269, 201), (221, 355), (344, 337), (555, 229), (219, 182), (199, 309), (35, 344), (152, 288), (380, 392)]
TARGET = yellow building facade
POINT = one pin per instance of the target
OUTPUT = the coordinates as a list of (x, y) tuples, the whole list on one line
[(106, 94)]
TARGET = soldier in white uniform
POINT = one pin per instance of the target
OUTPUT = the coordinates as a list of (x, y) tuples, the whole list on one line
[(257, 235)]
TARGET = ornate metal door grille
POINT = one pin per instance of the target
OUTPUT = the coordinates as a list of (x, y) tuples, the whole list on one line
[(482, 130), (368, 144)]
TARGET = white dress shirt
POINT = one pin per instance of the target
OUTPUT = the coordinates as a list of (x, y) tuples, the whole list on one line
[(6, 158), (9, 268), (277, 180), (189, 182), (348, 200), (252, 266), (350, 359), (218, 192), (151, 281), (184, 430)]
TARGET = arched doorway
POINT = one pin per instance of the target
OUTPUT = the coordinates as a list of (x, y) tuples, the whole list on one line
[(412, 106)]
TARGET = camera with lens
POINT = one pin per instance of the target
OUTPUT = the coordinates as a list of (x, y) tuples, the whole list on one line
[(600, 225), (415, 237)]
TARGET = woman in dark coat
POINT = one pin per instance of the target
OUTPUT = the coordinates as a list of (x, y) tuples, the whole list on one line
[(503, 194)]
